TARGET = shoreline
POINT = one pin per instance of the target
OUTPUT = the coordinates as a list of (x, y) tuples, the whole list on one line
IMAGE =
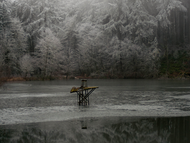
[(94, 118), (38, 115), (19, 78)]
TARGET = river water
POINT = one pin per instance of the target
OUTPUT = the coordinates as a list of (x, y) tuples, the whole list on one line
[(132, 111)]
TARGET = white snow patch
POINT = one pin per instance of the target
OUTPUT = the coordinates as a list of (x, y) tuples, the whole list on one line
[(23, 95), (183, 97), (149, 101), (60, 113)]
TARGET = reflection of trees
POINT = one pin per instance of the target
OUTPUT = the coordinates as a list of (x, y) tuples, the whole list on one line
[(152, 130), (5, 135), (36, 135), (143, 131), (160, 130), (179, 129)]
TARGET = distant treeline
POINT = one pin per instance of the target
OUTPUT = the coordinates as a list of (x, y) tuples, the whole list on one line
[(94, 38)]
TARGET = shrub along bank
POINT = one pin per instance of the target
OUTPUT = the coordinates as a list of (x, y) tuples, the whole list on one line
[(175, 65)]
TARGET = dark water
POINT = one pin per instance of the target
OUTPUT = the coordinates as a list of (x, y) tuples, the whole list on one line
[(131, 111), (101, 130)]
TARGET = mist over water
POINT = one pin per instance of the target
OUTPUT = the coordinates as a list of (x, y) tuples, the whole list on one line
[(119, 111)]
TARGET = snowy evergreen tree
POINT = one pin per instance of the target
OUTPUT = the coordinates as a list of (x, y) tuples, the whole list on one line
[(48, 53), (36, 16), (110, 37), (12, 40), (165, 8), (26, 65)]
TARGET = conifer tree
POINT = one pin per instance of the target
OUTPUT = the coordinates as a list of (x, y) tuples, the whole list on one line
[(48, 53), (12, 40), (36, 16)]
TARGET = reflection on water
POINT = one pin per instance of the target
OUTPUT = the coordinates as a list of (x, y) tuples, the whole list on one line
[(38, 102), (101, 130)]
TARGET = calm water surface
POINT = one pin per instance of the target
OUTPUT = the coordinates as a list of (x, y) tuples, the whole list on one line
[(130, 111)]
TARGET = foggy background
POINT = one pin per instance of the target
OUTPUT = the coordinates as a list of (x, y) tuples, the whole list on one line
[(94, 38)]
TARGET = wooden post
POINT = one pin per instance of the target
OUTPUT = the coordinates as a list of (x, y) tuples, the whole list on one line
[(83, 96), (83, 93)]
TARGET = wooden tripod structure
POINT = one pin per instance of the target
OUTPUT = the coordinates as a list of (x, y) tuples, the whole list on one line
[(83, 93)]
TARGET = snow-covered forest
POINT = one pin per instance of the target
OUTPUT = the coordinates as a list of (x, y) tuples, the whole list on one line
[(96, 38)]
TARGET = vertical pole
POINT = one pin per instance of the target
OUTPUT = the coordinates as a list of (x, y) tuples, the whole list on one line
[(77, 95), (78, 98), (82, 98), (88, 101), (85, 99)]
